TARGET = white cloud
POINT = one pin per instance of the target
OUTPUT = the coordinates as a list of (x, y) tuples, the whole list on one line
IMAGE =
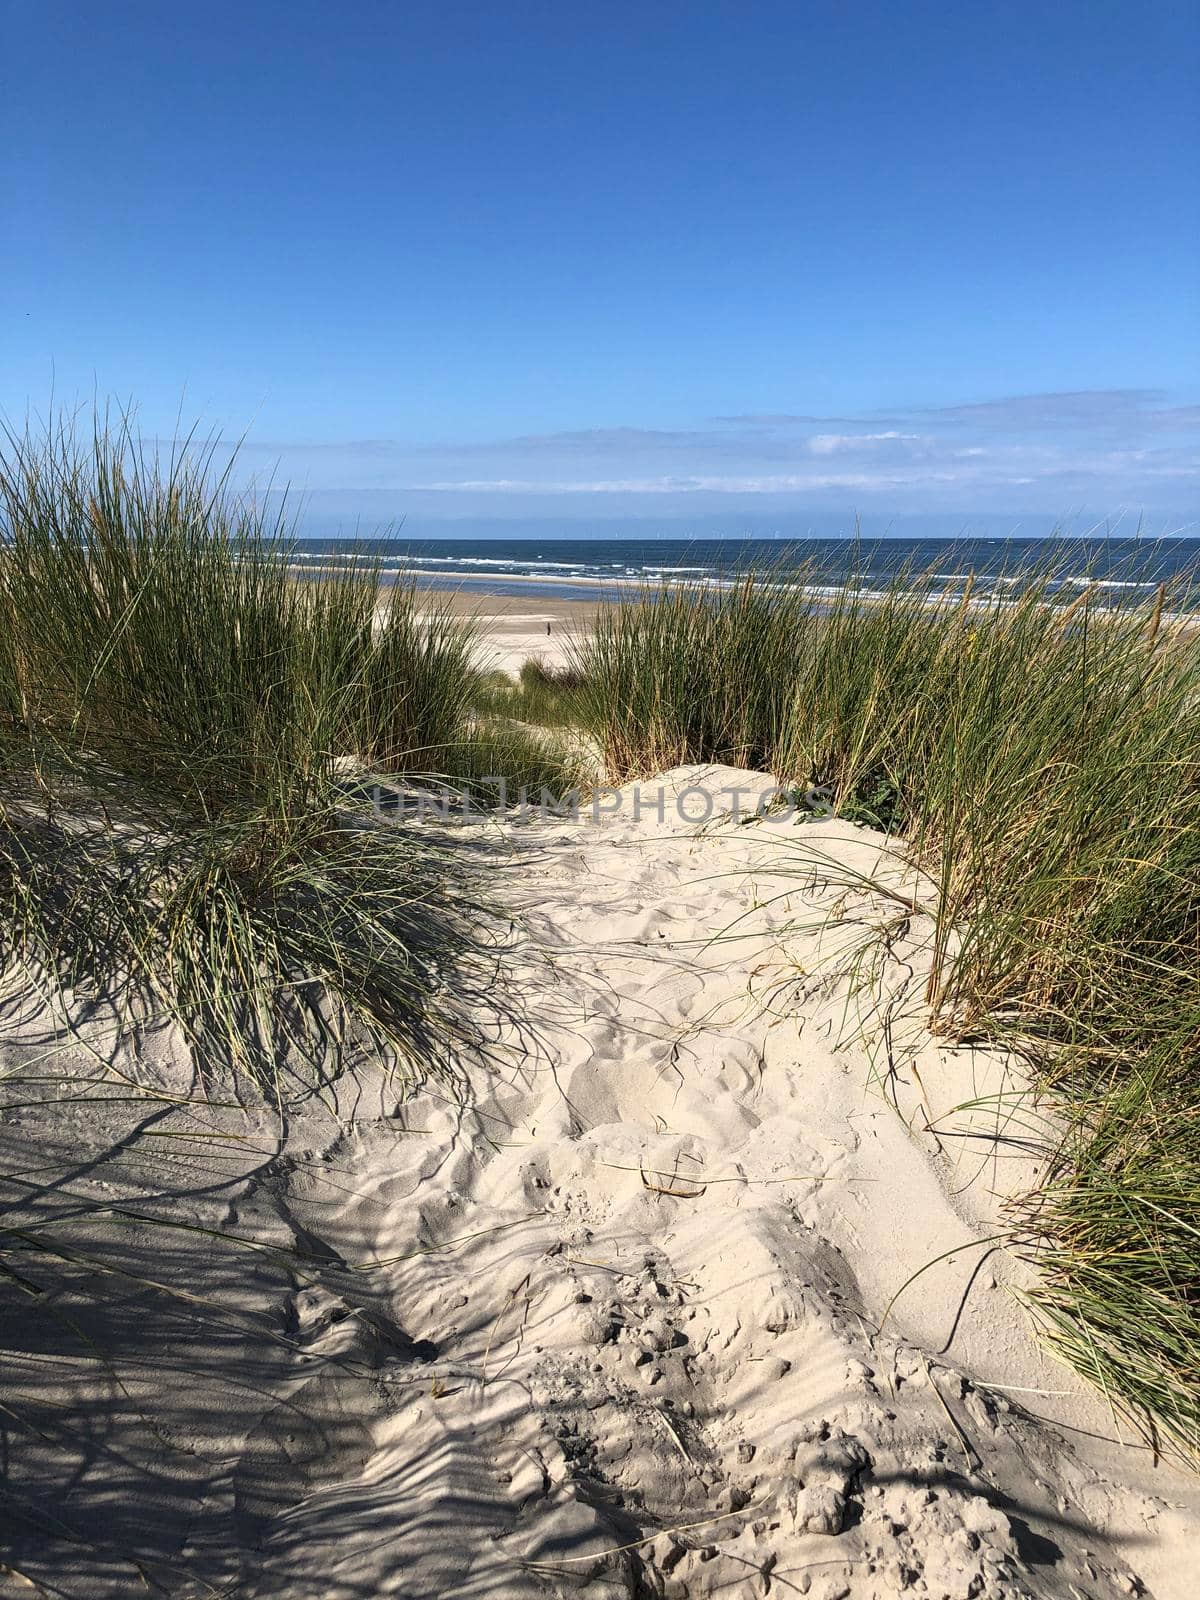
[(775, 483), (829, 444), (1124, 446)]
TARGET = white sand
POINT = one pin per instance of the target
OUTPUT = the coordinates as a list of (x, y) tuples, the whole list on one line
[(609, 1324), (506, 647), (511, 631)]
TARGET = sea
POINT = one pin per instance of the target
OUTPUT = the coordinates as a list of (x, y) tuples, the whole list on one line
[(1122, 570)]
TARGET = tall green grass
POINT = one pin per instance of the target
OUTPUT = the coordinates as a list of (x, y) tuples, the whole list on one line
[(185, 725), (156, 633), (1042, 760), (688, 675), (542, 696)]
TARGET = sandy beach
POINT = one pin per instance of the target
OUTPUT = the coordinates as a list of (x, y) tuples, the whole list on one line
[(612, 1304), (513, 630)]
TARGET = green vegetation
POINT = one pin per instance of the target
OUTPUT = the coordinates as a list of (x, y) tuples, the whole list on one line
[(522, 730), (543, 696), (1043, 762), (186, 730)]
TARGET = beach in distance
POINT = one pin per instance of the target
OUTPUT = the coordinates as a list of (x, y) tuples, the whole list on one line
[(534, 623)]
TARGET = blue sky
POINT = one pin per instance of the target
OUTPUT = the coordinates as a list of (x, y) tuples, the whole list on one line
[(747, 262)]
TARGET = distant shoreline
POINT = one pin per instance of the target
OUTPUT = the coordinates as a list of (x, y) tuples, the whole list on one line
[(498, 587), (512, 602)]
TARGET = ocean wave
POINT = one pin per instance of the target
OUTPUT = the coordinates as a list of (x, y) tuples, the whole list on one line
[(1083, 582)]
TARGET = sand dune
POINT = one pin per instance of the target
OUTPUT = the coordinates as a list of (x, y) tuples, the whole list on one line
[(609, 1319)]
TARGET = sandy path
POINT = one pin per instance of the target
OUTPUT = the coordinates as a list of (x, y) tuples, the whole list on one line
[(614, 1326)]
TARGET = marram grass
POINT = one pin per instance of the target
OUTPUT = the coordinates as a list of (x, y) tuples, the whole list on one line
[(187, 730), (1042, 760), (543, 696)]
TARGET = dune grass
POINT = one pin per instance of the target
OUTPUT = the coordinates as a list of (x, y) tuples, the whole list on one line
[(181, 723), (1041, 760), (542, 696), (157, 632)]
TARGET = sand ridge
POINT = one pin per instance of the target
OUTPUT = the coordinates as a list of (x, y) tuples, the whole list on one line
[(614, 1322)]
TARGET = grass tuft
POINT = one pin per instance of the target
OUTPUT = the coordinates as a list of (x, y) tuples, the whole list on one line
[(543, 696), (187, 731)]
